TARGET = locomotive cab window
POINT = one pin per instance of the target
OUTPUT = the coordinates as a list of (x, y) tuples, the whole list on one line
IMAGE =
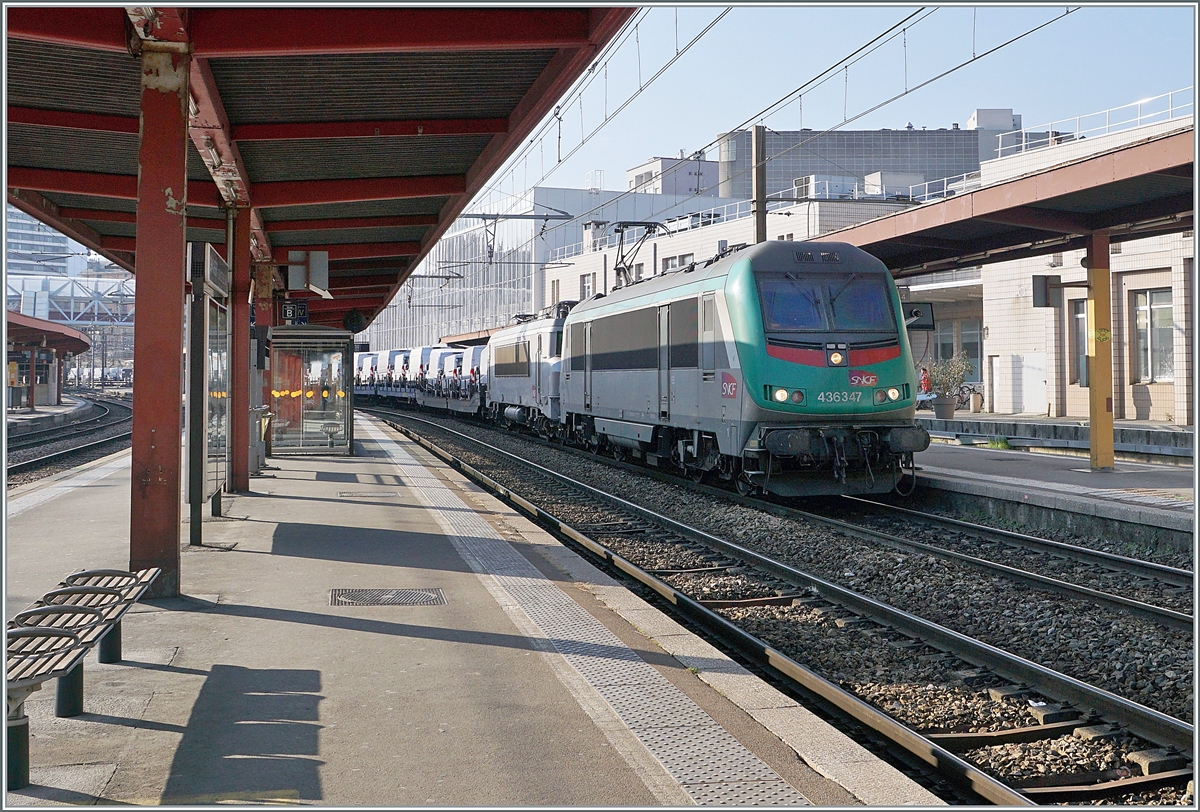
[(512, 361), (839, 303)]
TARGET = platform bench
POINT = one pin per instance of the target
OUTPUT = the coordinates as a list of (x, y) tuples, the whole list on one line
[(50, 639)]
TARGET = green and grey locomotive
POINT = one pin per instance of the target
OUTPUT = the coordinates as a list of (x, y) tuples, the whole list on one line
[(784, 367)]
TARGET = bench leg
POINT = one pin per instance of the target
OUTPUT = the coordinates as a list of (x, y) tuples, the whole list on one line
[(18, 752), (68, 699), (110, 646)]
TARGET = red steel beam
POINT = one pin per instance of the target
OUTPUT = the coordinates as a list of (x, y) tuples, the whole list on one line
[(399, 221), (47, 212), (308, 192), (97, 184), (209, 131), (102, 28), (370, 129), (102, 215), (243, 32), (119, 243), (73, 121), (351, 250)]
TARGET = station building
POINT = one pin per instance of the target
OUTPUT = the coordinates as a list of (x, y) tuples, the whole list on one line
[(494, 261)]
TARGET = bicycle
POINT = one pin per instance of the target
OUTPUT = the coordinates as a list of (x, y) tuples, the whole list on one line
[(963, 399)]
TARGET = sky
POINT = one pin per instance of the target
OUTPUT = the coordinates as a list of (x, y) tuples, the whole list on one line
[(1093, 59)]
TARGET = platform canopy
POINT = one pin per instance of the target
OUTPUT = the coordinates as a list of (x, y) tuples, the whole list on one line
[(362, 132), (26, 331), (1125, 192)]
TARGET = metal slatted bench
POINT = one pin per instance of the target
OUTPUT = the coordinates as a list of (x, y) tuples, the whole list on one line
[(50, 639)]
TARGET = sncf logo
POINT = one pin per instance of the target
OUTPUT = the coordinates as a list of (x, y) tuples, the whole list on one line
[(860, 377), (729, 386)]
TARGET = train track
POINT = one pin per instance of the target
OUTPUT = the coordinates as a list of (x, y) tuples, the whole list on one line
[(1156, 583), (807, 629), (43, 451)]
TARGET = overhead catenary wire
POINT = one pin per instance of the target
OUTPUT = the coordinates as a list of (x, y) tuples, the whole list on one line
[(814, 82), (859, 53)]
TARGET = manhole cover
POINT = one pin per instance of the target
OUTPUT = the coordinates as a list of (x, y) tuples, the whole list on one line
[(365, 495), (386, 597)]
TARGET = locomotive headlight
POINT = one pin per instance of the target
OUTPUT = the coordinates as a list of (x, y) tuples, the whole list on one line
[(798, 396), (893, 393), (780, 395), (837, 359), (880, 396)]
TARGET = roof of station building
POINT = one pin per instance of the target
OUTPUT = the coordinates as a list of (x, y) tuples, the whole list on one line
[(362, 132)]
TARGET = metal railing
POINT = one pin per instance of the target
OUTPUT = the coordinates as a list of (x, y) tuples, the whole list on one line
[(1154, 110), (944, 187)]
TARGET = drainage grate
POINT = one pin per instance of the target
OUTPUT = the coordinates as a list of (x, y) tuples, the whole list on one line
[(386, 597), (365, 495)]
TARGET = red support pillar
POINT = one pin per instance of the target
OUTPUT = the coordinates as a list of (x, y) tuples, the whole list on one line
[(239, 362), (154, 519), (264, 316)]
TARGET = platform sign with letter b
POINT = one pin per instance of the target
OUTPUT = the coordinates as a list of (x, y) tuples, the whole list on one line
[(294, 311)]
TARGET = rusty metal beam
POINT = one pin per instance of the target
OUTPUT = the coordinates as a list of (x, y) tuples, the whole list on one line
[(119, 243), (244, 32), (399, 221), (99, 215), (209, 131), (354, 190), (97, 184), (98, 27), (1040, 219), (43, 210), (352, 250), (370, 129), (73, 121)]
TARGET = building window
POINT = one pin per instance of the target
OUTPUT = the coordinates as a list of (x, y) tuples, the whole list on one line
[(639, 269), (554, 292), (585, 286), (972, 347), (1079, 370), (1154, 339), (1056, 260), (686, 259), (670, 263), (944, 340), (1114, 248)]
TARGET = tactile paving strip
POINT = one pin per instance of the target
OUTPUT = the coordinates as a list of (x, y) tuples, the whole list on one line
[(709, 764)]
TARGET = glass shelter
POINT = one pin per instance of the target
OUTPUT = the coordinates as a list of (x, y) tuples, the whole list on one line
[(311, 390)]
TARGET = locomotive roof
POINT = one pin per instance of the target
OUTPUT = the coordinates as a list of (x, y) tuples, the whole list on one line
[(772, 250)]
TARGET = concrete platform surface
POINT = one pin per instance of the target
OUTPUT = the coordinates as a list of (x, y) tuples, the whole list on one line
[(1140, 493), (512, 674), (23, 419)]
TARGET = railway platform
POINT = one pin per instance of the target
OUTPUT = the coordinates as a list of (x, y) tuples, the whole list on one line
[(23, 420), (378, 631), (1151, 503)]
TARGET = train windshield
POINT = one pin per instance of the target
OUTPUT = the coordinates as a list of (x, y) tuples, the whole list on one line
[(825, 303)]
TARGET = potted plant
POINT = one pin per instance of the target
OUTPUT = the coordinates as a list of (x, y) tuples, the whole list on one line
[(946, 377)]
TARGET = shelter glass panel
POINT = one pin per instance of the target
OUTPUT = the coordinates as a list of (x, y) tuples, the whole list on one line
[(311, 393), (217, 442)]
